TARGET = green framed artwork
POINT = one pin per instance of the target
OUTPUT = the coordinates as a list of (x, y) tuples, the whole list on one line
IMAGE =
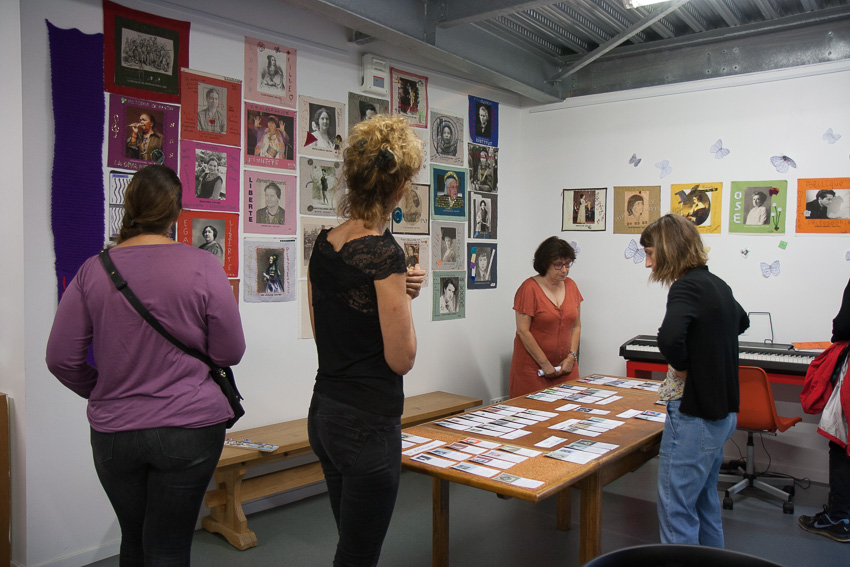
[(758, 207)]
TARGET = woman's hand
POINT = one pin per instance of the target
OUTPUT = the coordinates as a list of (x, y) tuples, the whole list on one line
[(549, 371), (567, 365), (413, 281)]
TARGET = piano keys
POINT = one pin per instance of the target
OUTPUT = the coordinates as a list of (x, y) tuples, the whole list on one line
[(782, 362)]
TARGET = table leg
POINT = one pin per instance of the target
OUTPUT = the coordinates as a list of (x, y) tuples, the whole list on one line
[(440, 524), (590, 537), (564, 509)]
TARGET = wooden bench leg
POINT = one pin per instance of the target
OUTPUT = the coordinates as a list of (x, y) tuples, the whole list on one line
[(564, 509), (226, 515)]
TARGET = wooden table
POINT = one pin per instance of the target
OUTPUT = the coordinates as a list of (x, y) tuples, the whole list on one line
[(637, 440)]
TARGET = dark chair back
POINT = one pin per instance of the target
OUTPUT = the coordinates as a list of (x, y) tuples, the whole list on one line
[(668, 555)]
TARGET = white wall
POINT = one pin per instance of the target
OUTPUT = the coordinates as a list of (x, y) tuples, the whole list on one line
[(62, 517)]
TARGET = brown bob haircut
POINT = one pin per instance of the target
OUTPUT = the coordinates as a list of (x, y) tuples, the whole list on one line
[(551, 250), (678, 247), (152, 202)]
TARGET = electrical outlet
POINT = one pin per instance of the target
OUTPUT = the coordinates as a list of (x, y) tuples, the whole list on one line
[(499, 399)]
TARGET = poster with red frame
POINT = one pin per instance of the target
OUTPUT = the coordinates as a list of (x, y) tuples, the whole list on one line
[(211, 108), (217, 233), (210, 175), (143, 53)]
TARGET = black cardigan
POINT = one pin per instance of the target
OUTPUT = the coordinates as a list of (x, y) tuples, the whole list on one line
[(841, 323), (700, 334)]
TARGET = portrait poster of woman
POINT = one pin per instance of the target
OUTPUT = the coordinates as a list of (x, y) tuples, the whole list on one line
[(409, 97), (483, 216), (270, 73), (447, 246), (758, 207), (211, 108), (448, 295), (481, 269), (413, 213), (362, 107), (210, 176), (321, 127), (141, 132), (635, 207), (269, 137), (448, 192), (192, 229), (446, 138), (269, 203), (310, 227), (416, 251), (823, 205), (483, 121), (321, 186), (700, 203), (270, 273), (583, 209), (143, 53), (483, 168)]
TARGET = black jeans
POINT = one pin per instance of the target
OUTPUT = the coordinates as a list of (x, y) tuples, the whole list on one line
[(360, 453), (839, 482), (156, 480)]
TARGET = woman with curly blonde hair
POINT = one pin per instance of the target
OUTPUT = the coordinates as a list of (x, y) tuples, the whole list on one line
[(360, 293)]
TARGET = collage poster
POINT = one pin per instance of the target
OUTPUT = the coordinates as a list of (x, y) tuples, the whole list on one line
[(700, 203)]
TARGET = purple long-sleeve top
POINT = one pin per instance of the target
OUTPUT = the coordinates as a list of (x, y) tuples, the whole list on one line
[(141, 380)]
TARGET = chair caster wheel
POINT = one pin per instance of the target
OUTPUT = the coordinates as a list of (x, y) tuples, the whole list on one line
[(727, 504), (789, 489), (788, 507)]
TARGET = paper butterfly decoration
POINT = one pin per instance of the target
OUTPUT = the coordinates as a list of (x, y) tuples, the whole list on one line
[(830, 137), (576, 247), (665, 168), (718, 150), (847, 255), (635, 252), (781, 163), (769, 269), (634, 160)]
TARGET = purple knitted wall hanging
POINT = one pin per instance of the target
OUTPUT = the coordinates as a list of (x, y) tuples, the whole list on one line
[(77, 209)]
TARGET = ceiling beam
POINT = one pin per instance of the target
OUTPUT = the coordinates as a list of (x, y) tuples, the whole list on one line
[(456, 13)]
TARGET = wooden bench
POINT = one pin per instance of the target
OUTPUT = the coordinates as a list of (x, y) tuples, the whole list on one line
[(232, 489)]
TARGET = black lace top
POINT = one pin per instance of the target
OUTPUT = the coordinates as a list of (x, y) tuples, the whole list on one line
[(352, 368)]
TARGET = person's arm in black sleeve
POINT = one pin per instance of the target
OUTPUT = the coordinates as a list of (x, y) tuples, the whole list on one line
[(841, 323)]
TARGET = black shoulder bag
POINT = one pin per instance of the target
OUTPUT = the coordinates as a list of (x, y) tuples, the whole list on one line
[(223, 376)]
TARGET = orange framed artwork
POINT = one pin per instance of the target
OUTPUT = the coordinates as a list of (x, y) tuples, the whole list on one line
[(823, 205)]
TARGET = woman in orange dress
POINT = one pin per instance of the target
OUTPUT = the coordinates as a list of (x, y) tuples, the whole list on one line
[(548, 322)]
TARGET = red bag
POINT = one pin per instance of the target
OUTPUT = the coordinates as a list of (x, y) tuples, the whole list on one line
[(819, 377)]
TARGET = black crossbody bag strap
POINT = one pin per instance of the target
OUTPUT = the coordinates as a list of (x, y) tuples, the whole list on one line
[(143, 311)]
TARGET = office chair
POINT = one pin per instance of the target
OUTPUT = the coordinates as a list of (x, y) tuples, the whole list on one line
[(675, 555), (757, 414)]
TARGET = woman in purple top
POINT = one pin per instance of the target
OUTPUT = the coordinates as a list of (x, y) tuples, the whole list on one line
[(157, 418)]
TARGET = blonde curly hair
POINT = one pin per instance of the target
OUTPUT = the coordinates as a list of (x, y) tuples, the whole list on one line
[(381, 156)]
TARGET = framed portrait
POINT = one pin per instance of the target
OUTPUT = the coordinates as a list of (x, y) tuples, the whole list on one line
[(635, 207), (310, 229), (423, 176), (483, 168), (583, 209), (210, 175), (118, 181), (481, 270), (483, 215), (362, 107), (143, 53), (758, 207), (823, 205), (448, 296), (483, 121), (409, 96), (447, 246), (448, 193), (321, 186), (269, 137), (141, 132), (413, 213), (212, 108), (700, 203), (416, 251), (270, 73), (270, 274), (269, 206), (446, 138), (321, 127), (217, 233)]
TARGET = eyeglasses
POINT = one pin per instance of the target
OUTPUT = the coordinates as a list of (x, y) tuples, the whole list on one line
[(563, 265)]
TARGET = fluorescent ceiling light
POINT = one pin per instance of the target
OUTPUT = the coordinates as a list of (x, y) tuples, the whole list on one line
[(639, 3)]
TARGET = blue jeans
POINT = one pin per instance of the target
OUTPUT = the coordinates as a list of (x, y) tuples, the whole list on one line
[(156, 480), (360, 453), (689, 461)]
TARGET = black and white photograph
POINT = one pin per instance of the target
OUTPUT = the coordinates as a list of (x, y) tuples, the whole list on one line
[(483, 215), (483, 168), (212, 109), (413, 211), (448, 295), (483, 121), (446, 138), (320, 126), (362, 107), (481, 271), (447, 245), (321, 186)]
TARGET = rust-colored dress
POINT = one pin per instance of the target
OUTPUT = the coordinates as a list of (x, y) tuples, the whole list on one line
[(551, 327)]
